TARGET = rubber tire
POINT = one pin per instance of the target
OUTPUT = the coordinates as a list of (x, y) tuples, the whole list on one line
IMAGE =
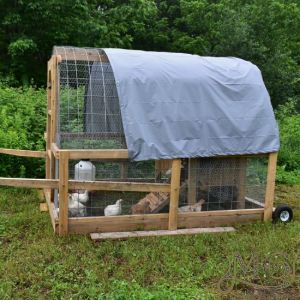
[(279, 209)]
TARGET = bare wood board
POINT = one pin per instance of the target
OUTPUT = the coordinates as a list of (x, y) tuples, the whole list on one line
[(131, 234)]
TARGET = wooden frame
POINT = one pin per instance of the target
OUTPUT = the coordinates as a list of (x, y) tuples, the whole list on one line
[(63, 224)]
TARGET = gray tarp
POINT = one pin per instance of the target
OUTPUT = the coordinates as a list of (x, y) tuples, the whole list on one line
[(179, 105)]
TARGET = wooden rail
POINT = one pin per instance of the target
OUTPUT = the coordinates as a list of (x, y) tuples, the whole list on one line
[(88, 185), (23, 153)]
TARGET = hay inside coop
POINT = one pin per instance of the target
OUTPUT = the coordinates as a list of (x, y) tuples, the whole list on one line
[(147, 140)]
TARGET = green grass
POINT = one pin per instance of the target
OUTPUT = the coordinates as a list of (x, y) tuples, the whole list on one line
[(36, 264)]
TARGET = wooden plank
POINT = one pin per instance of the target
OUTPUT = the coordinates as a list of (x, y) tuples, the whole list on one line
[(83, 54), (119, 186), (241, 184), (52, 211), (29, 182), (212, 221), (97, 154), (132, 234), (123, 170), (84, 225), (43, 207), (23, 153), (192, 184), (63, 193), (47, 135), (174, 196), (55, 150), (255, 202), (270, 188)]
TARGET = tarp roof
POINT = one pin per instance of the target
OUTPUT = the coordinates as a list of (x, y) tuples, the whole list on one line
[(176, 105)]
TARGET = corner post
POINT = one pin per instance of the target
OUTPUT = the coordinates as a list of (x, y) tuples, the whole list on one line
[(270, 188), (174, 196), (63, 193)]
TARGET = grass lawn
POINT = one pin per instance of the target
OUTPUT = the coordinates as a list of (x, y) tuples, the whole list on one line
[(36, 264)]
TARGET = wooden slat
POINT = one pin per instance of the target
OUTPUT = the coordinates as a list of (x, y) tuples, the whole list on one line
[(97, 154), (55, 150), (23, 153), (132, 234), (241, 185), (79, 54), (192, 184), (174, 196), (270, 188), (52, 210), (29, 182), (43, 207), (212, 221), (63, 193), (119, 186), (86, 225)]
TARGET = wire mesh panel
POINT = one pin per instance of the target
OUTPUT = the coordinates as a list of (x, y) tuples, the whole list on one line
[(84, 203), (88, 109), (223, 184)]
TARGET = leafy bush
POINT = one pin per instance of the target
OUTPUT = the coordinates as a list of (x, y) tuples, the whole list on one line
[(22, 125), (288, 117)]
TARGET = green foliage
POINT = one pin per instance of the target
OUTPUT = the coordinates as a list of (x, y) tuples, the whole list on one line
[(264, 32), (288, 117), (22, 125)]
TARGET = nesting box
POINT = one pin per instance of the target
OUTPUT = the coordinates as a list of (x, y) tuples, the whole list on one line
[(184, 141)]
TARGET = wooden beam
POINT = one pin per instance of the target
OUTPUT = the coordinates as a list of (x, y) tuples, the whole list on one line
[(174, 196), (80, 54), (84, 225), (241, 182), (133, 234), (29, 182), (43, 207), (97, 154), (52, 210), (63, 193), (192, 183), (119, 186), (55, 150), (253, 201), (23, 153), (270, 188)]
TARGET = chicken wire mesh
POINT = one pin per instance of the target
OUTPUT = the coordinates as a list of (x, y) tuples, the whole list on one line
[(88, 108), (223, 184), (207, 184)]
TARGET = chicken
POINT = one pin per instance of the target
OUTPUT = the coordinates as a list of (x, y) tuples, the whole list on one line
[(81, 197), (114, 210), (194, 207), (76, 209)]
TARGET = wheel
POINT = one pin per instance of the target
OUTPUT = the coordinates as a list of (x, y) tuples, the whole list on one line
[(283, 213)]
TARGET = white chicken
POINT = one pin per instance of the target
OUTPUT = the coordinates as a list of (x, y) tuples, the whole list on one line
[(114, 210), (76, 209), (81, 197), (190, 208)]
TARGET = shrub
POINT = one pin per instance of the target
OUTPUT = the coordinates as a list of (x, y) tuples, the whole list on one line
[(22, 126)]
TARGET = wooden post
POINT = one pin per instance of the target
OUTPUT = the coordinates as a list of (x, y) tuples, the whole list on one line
[(174, 196), (63, 193), (270, 188), (241, 183), (124, 170), (192, 184)]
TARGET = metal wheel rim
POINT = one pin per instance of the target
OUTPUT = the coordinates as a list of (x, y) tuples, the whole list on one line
[(284, 216)]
